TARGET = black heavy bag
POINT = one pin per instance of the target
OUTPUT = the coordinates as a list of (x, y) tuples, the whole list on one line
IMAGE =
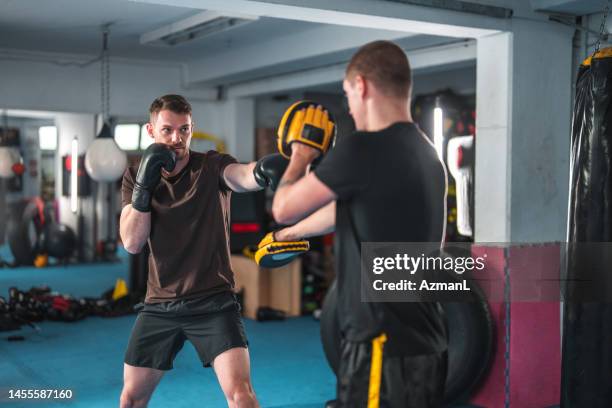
[(24, 228), (586, 378)]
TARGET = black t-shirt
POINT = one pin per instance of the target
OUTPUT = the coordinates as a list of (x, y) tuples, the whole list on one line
[(391, 187), (189, 239)]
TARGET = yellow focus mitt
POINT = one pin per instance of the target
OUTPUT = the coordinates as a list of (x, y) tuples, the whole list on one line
[(309, 123), (273, 254)]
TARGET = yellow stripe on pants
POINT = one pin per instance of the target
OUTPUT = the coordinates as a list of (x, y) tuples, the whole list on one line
[(376, 371)]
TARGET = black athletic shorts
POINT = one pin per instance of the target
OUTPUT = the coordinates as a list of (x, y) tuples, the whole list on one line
[(368, 377), (212, 324)]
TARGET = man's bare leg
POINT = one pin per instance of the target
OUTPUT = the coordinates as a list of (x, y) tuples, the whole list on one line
[(138, 385), (234, 374)]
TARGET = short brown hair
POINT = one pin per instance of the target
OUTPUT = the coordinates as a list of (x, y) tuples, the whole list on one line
[(386, 65), (173, 103)]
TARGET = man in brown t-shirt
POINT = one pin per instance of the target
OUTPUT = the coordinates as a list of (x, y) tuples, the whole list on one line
[(177, 201)]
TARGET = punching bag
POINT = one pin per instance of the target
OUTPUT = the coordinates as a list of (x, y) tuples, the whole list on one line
[(586, 379)]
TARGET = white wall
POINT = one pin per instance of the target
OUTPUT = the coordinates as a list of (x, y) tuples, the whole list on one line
[(523, 114), (240, 120), (41, 84), (45, 85)]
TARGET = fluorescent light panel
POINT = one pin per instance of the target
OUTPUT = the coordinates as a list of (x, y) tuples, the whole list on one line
[(197, 26), (127, 136), (439, 130), (74, 173), (145, 139), (47, 137)]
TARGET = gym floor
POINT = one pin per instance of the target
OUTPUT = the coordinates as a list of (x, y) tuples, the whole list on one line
[(288, 365)]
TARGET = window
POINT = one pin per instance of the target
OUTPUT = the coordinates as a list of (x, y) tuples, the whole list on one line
[(47, 137), (145, 139), (127, 136)]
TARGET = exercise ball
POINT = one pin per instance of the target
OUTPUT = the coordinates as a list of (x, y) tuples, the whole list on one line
[(104, 160), (60, 241)]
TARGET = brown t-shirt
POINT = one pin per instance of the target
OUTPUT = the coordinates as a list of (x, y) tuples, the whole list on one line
[(190, 221)]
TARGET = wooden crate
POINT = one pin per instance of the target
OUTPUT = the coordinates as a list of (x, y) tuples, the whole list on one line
[(279, 288)]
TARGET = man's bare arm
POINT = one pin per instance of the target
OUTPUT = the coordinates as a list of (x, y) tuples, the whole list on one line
[(240, 178), (321, 222), (134, 228)]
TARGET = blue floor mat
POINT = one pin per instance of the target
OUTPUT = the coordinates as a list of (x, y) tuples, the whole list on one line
[(88, 279), (288, 366)]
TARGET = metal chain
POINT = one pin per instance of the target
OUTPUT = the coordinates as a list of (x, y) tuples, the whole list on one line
[(105, 75), (602, 28)]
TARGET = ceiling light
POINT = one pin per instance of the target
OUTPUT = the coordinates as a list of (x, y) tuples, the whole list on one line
[(198, 26)]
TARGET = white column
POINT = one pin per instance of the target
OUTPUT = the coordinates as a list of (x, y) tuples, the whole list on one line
[(82, 126), (493, 140), (240, 128), (524, 82)]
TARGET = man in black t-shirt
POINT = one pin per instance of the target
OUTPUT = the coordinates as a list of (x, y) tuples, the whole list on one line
[(383, 183)]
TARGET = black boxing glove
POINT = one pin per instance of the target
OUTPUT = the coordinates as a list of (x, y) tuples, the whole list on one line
[(156, 157), (269, 170)]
